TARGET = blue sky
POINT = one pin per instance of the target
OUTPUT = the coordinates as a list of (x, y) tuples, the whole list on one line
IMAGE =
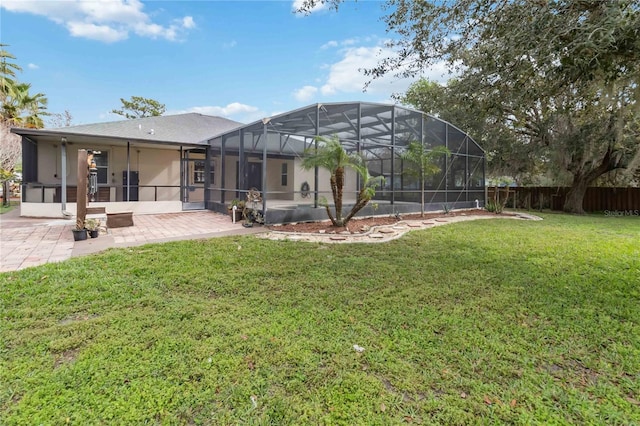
[(243, 60)]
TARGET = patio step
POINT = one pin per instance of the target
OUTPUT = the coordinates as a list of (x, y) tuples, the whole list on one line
[(96, 210)]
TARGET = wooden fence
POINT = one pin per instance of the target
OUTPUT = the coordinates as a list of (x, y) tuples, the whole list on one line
[(596, 199)]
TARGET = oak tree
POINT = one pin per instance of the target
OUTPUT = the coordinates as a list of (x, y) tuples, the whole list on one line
[(557, 79), (139, 107)]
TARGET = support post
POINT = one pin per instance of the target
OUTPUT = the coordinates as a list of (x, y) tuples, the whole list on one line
[(128, 170), (393, 152), (207, 175), (316, 179), (81, 197), (63, 172), (264, 168), (223, 169), (241, 167)]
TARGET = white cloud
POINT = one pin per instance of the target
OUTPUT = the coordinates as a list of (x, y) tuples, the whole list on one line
[(33, 66), (347, 74), (297, 4), (305, 94), (107, 21), (188, 22), (96, 32), (229, 45), (236, 111), (329, 45)]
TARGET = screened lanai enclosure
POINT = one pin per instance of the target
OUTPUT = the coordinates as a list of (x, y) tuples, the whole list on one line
[(266, 155)]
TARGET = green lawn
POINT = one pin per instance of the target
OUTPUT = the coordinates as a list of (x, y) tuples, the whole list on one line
[(485, 322), (5, 209)]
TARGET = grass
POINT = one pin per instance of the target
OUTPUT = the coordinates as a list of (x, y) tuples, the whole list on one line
[(5, 209), (485, 322)]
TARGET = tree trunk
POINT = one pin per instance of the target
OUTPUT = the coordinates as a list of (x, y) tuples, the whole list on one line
[(6, 194), (338, 193), (582, 180), (360, 203), (575, 197)]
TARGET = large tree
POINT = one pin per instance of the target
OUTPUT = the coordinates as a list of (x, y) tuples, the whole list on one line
[(506, 152), (560, 76), (139, 107), (60, 119)]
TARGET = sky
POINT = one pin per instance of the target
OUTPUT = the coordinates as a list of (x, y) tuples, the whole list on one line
[(243, 60)]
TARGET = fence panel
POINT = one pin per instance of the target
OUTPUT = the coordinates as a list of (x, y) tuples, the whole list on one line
[(596, 199)]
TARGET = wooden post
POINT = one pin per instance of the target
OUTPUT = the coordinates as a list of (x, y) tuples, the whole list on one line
[(540, 200), (81, 191)]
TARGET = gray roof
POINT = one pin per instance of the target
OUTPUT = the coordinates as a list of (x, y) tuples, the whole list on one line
[(190, 128)]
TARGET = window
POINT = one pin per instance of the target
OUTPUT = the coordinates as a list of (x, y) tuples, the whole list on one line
[(198, 172), (283, 180), (102, 163)]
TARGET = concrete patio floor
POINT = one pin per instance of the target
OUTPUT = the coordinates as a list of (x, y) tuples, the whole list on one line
[(26, 242)]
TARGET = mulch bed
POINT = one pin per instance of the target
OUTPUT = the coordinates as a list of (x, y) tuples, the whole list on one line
[(361, 225)]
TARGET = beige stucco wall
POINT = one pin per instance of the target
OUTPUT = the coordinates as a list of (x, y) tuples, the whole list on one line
[(296, 176), (156, 167), (54, 210), (324, 185), (274, 177)]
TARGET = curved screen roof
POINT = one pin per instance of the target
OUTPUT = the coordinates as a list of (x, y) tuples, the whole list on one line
[(351, 122)]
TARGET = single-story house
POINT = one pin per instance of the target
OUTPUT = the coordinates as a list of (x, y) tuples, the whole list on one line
[(192, 161)]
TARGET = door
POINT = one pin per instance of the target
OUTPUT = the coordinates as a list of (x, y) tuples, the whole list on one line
[(130, 186), (192, 180), (254, 176)]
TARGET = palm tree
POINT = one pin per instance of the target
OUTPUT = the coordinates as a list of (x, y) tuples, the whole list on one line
[(332, 156), (422, 164), (7, 74), (23, 109), (18, 108)]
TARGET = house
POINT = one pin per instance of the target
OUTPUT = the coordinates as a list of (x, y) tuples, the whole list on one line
[(193, 161)]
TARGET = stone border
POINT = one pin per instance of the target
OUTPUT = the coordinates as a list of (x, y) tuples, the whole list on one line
[(384, 233)]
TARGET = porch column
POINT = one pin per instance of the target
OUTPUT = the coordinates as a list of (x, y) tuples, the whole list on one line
[(128, 170), (186, 177), (223, 168), (63, 167)]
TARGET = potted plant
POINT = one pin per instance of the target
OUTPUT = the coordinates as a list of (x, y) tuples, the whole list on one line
[(79, 232), (93, 227), (239, 205)]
